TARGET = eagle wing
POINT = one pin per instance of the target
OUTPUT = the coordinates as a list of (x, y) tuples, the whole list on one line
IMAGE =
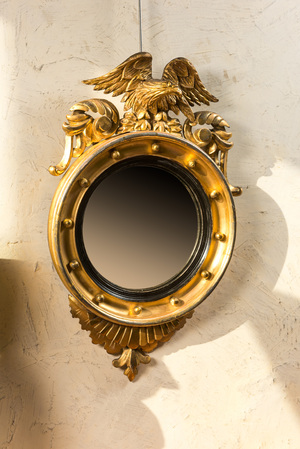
[(125, 77), (182, 72)]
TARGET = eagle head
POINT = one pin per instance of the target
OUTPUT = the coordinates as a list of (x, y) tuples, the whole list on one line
[(178, 90), (156, 95)]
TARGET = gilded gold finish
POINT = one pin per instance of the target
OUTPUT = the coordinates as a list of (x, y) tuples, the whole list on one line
[(145, 130), (214, 195), (149, 99), (74, 264), (160, 318), (179, 88), (69, 195), (192, 164), (83, 182), (214, 141), (175, 301), (82, 130), (220, 236), (99, 298), (61, 167), (117, 338), (68, 223), (131, 358), (155, 147), (116, 155), (137, 310), (205, 274)]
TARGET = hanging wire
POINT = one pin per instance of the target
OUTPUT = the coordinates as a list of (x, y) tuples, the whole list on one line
[(140, 18)]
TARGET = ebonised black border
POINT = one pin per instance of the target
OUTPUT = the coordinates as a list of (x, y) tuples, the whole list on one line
[(196, 259)]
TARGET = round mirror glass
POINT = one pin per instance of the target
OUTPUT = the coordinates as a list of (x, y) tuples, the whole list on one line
[(140, 227)]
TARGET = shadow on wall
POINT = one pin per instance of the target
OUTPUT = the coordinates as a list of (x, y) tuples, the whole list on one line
[(45, 401), (247, 291), (111, 409), (23, 394), (246, 294)]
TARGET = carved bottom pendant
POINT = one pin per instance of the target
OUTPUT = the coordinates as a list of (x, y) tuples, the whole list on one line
[(132, 322), (131, 342)]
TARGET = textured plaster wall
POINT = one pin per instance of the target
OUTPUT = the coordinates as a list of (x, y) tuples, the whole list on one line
[(230, 379)]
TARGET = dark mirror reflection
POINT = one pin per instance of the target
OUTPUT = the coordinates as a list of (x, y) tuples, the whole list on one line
[(140, 227)]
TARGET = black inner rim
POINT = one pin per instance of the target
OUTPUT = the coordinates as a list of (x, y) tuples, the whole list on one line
[(197, 257)]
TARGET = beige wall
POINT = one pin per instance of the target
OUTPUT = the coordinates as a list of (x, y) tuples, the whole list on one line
[(230, 379)]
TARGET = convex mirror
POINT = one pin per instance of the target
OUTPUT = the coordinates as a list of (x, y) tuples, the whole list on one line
[(142, 225)]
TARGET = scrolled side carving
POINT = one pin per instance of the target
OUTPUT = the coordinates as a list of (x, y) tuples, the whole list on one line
[(86, 130), (214, 140)]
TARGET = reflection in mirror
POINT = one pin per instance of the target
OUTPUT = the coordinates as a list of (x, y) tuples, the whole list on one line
[(140, 227)]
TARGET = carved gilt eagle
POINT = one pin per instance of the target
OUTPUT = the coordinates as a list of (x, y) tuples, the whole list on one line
[(178, 90)]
